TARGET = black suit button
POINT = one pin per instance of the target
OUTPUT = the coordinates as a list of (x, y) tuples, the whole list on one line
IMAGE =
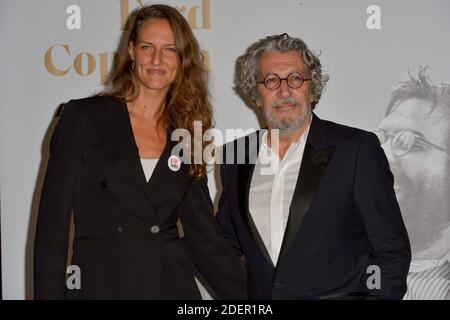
[(103, 185), (154, 229), (121, 227), (278, 285)]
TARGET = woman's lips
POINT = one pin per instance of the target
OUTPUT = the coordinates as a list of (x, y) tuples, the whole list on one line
[(158, 72)]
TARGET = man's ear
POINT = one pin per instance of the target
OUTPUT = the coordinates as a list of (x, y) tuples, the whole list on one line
[(258, 102), (313, 103)]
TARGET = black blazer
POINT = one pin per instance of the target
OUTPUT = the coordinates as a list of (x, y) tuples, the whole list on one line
[(344, 217), (126, 240)]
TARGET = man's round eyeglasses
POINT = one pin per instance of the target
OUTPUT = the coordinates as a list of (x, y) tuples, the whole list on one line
[(273, 82), (405, 141)]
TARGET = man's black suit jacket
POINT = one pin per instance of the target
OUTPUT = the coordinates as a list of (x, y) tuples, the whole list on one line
[(344, 217)]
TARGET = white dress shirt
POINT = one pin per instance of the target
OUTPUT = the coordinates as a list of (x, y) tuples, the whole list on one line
[(271, 192)]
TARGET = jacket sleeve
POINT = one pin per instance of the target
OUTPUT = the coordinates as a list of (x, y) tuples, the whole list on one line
[(214, 259), (55, 207), (224, 219), (376, 201)]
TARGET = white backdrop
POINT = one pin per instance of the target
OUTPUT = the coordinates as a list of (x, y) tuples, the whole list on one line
[(363, 65)]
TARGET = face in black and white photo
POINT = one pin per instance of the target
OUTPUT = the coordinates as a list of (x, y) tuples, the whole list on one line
[(415, 135)]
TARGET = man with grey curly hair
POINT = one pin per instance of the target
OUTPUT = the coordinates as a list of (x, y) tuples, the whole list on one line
[(312, 209), (310, 73), (250, 64)]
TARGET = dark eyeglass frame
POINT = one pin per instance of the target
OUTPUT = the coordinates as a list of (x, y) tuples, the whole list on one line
[(281, 79), (393, 136)]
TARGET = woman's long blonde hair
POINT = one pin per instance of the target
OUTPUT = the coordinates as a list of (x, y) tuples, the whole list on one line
[(188, 97)]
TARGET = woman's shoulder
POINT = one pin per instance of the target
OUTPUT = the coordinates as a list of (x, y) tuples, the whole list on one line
[(92, 111), (93, 104)]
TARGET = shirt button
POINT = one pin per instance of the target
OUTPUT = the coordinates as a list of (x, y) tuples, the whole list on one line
[(154, 229)]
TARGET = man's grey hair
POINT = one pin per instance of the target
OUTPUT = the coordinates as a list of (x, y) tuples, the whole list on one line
[(420, 88), (248, 65)]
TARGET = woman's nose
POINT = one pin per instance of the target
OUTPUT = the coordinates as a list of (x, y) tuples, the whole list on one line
[(156, 58)]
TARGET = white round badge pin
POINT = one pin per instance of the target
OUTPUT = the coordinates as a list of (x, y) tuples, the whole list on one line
[(174, 163)]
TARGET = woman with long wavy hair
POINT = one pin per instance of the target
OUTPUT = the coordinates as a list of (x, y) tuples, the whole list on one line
[(111, 164)]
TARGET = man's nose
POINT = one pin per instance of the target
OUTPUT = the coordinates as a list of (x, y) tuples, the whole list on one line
[(285, 90)]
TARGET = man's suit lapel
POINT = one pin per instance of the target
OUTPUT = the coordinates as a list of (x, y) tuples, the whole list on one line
[(245, 173), (316, 156)]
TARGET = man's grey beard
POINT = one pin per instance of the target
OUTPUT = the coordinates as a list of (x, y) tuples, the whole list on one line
[(287, 126)]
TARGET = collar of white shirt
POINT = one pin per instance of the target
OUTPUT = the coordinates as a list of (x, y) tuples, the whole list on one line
[(266, 155)]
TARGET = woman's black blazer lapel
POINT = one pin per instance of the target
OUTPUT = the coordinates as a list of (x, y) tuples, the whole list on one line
[(165, 186)]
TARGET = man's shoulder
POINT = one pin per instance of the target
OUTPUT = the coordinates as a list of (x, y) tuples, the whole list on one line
[(341, 130), (340, 133)]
